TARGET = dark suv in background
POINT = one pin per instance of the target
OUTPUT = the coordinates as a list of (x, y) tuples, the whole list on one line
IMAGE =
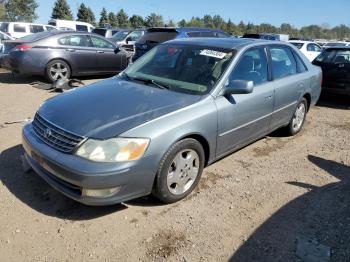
[(106, 32), (155, 36)]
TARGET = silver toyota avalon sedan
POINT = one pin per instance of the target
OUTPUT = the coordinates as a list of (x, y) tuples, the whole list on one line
[(159, 123)]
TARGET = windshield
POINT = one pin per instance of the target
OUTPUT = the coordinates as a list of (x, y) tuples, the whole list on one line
[(182, 68), (298, 45), (121, 35), (335, 44), (334, 56)]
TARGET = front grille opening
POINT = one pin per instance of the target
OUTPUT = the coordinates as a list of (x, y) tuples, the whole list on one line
[(54, 136)]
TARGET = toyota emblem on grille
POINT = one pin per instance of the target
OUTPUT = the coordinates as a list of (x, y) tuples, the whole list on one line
[(47, 133)]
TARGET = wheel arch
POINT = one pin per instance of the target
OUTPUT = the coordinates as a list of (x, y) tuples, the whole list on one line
[(307, 96), (204, 143)]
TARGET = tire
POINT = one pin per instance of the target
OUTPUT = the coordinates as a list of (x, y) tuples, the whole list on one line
[(297, 122), (57, 69), (179, 171)]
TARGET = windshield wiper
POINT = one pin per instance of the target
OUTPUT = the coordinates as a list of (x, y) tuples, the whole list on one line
[(148, 81)]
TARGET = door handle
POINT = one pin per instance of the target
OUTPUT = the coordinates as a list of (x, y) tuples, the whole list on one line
[(100, 51), (268, 97), (70, 50)]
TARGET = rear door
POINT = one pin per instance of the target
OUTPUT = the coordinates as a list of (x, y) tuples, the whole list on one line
[(79, 52), (107, 59), (245, 117), (289, 84)]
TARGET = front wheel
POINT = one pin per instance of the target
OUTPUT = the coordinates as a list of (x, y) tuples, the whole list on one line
[(298, 120), (179, 171)]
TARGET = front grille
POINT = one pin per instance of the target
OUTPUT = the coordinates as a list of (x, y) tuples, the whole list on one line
[(54, 136)]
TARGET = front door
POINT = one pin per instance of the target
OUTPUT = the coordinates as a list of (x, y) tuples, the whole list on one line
[(107, 59), (78, 52), (245, 117)]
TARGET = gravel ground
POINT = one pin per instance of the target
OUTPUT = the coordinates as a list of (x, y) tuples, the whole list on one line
[(279, 199)]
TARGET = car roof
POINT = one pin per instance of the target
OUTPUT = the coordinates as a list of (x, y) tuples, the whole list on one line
[(302, 41), (225, 43), (183, 29)]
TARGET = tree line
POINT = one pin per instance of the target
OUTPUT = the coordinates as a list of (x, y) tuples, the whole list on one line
[(24, 10)]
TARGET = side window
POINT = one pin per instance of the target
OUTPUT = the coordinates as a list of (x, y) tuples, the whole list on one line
[(36, 28), (318, 48), (82, 28), (18, 28), (135, 35), (207, 34), (313, 48), (301, 67), (283, 63), (222, 35), (75, 40), (251, 67), (193, 34), (101, 43)]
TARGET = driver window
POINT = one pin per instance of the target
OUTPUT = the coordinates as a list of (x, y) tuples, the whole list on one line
[(251, 67)]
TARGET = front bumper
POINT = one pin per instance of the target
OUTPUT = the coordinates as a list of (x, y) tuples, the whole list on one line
[(69, 173)]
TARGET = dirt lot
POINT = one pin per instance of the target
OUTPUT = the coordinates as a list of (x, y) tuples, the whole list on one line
[(279, 199)]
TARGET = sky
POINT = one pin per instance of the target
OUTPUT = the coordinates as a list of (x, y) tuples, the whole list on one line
[(296, 12)]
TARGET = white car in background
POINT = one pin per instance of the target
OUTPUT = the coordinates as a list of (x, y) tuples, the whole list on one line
[(67, 25), (20, 29), (310, 49)]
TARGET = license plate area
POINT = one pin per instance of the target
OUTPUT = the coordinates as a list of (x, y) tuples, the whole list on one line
[(37, 158)]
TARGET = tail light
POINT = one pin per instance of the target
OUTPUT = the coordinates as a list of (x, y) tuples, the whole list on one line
[(22, 48)]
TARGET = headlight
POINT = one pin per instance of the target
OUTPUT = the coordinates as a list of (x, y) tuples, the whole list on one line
[(114, 149)]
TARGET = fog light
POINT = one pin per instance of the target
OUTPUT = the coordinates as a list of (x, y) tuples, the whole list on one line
[(100, 193)]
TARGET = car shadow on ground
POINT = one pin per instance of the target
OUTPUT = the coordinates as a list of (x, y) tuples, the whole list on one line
[(335, 101), (12, 78), (313, 227), (8, 77), (37, 194)]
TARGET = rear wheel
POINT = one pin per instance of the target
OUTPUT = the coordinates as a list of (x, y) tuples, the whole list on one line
[(57, 69), (298, 120), (179, 171)]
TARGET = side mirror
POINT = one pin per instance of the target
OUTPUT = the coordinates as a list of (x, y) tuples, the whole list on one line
[(117, 50), (128, 39), (239, 87)]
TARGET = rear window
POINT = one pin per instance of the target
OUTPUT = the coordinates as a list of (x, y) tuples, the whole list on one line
[(83, 28), (4, 27), (36, 28), (334, 56), (53, 23), (36, 37), (100, 31), (157, 37), (298, 45), (19, 28)]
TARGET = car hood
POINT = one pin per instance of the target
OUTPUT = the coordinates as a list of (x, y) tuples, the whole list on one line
[(110, 107)]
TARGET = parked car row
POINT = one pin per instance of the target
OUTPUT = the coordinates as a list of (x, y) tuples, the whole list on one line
[(63, 54)]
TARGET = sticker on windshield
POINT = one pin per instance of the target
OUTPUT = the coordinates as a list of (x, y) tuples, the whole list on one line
[(213, 53)]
